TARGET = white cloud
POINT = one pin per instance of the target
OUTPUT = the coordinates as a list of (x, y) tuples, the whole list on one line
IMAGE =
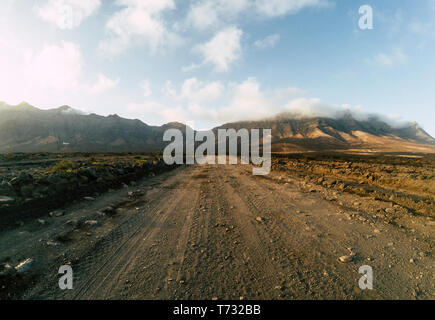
[(200, 92), (390, 60), (223, 49), (67, 14), (275, 8), (169, 91), (146, 88), (191, 67), (269, 42), (51, 76), (138, 21), (204, 14), (54, 67), (104, 84), (216, 102), (247, 102)]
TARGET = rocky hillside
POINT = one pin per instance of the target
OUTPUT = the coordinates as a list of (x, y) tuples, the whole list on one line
[(24, 128), (292, 133)]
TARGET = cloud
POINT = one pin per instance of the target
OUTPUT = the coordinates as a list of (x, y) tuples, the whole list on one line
[(53, 75), (190, 67), (54, 67), (390, 60), (199, 92), (146, 88), (275, 8), (205, 14), (223, 49), (216, 102), (268, 42), (138, 21), (104, 84), (67, 14)]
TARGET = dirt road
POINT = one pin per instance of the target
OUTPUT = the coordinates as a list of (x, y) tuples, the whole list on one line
[(203, 232)]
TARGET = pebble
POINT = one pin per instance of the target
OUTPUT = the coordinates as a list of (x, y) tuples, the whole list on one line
[(345, 259), (24, 266)]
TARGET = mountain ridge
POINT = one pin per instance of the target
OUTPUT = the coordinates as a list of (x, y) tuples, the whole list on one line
[(25, 128)]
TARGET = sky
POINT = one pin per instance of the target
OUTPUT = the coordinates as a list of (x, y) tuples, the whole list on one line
[(208, 62)]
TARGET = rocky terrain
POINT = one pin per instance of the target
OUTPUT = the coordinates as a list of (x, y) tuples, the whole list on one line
[(218, 232), (30, 184)]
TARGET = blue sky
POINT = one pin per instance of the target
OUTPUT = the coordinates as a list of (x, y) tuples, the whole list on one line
[(209, 62)]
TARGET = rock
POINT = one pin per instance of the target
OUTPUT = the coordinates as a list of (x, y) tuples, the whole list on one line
[(23, 178), (24, 266), (59, 213), (71, 222), (6, 200), (423, 254), (89, 198), (259, 219), (345, 259), (389, 210), (52, 244), (41, 222), (109, 210), (91, 222), (6, 270)]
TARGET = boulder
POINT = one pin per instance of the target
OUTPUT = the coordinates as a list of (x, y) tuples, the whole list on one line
[(6, 200), (24, 266)]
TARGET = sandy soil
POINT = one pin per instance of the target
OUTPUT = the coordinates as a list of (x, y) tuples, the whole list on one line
[(203, 232)]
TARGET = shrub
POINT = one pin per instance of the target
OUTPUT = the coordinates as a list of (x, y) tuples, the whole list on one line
[(64, 166)]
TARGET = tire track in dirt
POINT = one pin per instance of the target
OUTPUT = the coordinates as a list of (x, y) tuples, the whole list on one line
[(195, 235)]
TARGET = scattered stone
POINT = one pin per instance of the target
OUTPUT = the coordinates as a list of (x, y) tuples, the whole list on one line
[(6, 270), (89, 198), (345, 259), (52, 244), (6, 200), (259, 219), (389, 210), (57, 213), (24, 266), (41, 222), (71, 222), (423, 254), (91, 222), (109, 210)]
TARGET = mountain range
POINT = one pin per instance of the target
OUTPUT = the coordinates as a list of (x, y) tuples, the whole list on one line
[(25, 128)]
